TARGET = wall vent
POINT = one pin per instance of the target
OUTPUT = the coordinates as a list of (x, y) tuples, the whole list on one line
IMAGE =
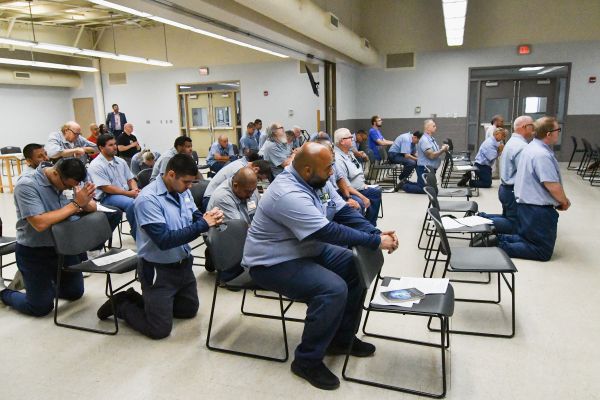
[(22, 75), (117, 78), (334, 22), (400, 60)]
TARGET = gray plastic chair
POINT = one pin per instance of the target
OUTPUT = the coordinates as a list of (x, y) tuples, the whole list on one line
[(143, 177), (368, 264), (76, 237), (7, 246), (197, 191)]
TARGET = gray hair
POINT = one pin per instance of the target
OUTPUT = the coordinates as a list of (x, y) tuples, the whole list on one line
[(273, 130), (340, 134), (522, 120), (427, 122)]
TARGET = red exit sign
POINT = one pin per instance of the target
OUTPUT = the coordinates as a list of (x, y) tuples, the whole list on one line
[(523, 49)]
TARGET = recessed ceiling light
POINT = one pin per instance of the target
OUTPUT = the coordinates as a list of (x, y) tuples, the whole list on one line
[(530, 68)]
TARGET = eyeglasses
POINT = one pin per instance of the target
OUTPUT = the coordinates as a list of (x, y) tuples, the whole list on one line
[(347, 137), (76, 133), (531, 125), (555, 130), (279, 127)]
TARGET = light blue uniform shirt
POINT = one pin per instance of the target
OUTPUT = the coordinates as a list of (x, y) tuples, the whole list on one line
[(231, 205), (349, 167), (537, 164), (57, 143), (109, 173), (488, 152), (224, 174), (403, 144), (155, 205), (35, 195), (509, 160), (289, 211), (427, 142), (248, 142), (160, 166), (216, 148), (276, 153), (337, 175)]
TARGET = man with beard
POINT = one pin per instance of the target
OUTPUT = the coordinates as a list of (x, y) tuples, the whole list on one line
[(375, 137), (312, 228)]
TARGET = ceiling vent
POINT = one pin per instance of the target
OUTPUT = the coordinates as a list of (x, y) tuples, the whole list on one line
[(333, 21), (400, 60), (117, 78), (21, 75)]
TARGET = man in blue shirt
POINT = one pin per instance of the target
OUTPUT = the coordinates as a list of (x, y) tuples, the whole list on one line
[(34, 154), (375, 136), (539, 193), (404, 151), (429, 153), (40, 203), (276, 150), (182, 145), (312, 227), (260, 136), (69, 143), (115, 183), (489, 151), (167, 220), (220, 153), (509, 160), (249, 141)]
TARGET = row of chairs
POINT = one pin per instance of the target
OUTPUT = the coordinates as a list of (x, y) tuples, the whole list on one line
[(589, 165)]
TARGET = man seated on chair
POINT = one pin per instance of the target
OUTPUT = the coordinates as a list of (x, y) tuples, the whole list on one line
[(429, 153), (34, 154), (249, 142), (220, 153), (182, 145), (69, 143), (489, 151), (404, 151), (309, 224), (276, 150), (41, 203), (262, 168), (360, 145), (115, 184), (167, 220), (351, 169), (142, 160)]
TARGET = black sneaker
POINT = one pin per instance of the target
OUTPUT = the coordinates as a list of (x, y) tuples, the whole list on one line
[(317, 375), (359, 349), (105, 309), (135, 297), (465, 179)]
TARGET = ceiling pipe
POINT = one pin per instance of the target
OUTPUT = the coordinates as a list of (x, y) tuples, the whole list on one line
[(306, 17)]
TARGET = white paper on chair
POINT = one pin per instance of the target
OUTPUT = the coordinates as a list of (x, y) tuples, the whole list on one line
[(425, 285), (451, 223), (463, 167), (100, 207), (102, 261), (474, 220)]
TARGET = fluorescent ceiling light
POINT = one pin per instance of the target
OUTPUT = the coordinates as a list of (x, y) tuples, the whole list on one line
[(41, 64), (454, 23), (550, 69), (454, 8), (454, 41), (186, 27), (455, 12), (530, 68), (83, 52), (184, 87)]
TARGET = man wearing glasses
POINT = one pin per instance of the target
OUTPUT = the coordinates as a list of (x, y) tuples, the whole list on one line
[(350, 168), (539, 193), (69, 143), (509, 160)]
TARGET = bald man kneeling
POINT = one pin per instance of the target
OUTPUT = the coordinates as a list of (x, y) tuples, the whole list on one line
[(298, 244)]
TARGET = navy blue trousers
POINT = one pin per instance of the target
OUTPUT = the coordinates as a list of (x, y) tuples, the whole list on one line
[(408, 164), (536, 233), (374, 196), (508, 222), (329, 285), (484, 177)]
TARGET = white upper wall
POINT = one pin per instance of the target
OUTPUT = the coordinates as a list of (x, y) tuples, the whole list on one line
[(439, 81), (152, 96)]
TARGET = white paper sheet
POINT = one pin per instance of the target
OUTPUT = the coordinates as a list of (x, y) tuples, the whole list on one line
[(100, 207), (451, 223), (102, 261), (425, 285), (474, 220), (463, 167)]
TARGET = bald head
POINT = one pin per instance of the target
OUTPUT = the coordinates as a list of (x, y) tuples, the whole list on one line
[(314, 164), (223, 141), (244, 183), (71, 130)]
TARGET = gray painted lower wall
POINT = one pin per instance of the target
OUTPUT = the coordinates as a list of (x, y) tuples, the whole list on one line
[(580, 126)]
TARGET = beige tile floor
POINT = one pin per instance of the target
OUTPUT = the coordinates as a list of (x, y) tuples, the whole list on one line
[(553, 355)]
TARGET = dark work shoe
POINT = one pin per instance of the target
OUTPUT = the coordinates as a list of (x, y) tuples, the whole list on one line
[(359, 349), (317, 375), (135, 297), (465, 179), (105, 309)]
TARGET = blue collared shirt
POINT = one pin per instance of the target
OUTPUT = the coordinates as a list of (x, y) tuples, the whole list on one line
[(109, 173), (427, 142), (403, 144), (248, 142), (216, 148), (374, 135), (288, 212), (232, 206), (337, 175), (509, 160), (35, 195), (276, 153), (160, 166), (224, 174), (57, 143), (155, 205), (349, 167), (488, 151), (537, 164)]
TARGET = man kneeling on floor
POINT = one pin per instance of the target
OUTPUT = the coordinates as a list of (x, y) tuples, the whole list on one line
[(298, 244), (167, 220)]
